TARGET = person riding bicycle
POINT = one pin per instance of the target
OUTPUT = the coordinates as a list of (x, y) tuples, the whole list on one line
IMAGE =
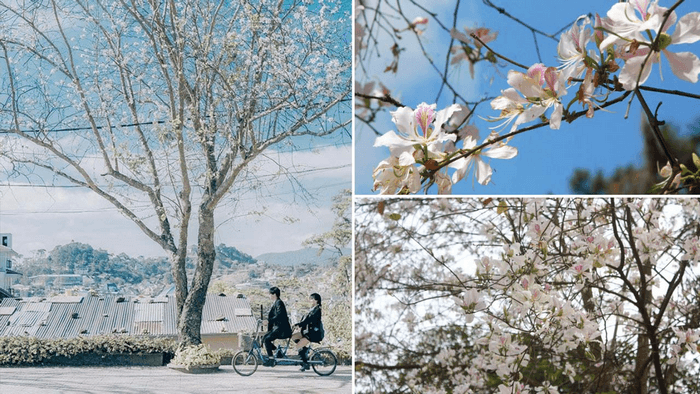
[(310, 330), (277, 323)]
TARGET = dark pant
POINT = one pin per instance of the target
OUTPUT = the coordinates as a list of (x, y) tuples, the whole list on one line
[(271, 336)]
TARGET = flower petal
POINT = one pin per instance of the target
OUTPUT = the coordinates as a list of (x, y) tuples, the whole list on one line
[(555, 119), (413, 181), (630, 71), (483, 171), (444, 114), (390, 138), (403, 117), (462, 166), (459, 36), (444, 183), (685, 65), (406, 159), (624, 22), (687, 30), (502, 152), (529, 115)]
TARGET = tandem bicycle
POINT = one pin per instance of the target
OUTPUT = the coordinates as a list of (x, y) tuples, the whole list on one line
[(245, 362)]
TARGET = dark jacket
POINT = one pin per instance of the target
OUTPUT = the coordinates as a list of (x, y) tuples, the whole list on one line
[(277, 319), (311, 324)]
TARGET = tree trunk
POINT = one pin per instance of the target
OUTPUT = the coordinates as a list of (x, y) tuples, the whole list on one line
[(179, 260), (642, 362), (189, 323)]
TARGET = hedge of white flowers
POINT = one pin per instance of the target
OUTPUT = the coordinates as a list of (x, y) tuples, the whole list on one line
[(196, 356), (31, 350)]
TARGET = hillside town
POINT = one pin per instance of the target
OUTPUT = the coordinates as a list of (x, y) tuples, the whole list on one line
[(79, 302)]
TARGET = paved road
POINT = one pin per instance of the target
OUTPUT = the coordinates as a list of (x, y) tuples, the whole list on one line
[(138, 380)]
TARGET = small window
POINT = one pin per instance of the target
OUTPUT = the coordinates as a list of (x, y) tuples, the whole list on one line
[(9, 264), (4, 240)]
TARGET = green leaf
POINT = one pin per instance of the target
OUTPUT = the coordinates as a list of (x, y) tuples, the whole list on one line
[(502, 207), (696, 160), (685, 170), (395, 216)]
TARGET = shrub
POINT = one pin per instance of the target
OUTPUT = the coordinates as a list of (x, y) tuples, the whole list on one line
[(31, 350), (196, 355)]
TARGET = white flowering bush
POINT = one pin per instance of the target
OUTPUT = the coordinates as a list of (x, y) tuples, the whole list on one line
[(31, 350), (192, 356)]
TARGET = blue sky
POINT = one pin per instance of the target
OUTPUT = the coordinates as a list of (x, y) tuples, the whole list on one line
[(284, 198), (546, 158)]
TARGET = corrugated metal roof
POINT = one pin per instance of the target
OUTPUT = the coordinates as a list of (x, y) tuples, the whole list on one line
[(36, 306), (27, 318), (243, 312), (213, 327), (101, 315), (25, 322), (13, 331), (7, 303), (7, 310), (149, 328), (149, 312), (66, 299), (225, 314)]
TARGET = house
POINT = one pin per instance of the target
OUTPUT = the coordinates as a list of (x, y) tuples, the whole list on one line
[(225, 320), (112, 288), (58, 283), (8, 277)]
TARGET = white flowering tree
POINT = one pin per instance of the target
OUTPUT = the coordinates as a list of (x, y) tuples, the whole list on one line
[(162, 107), (599, 62), (554, 295)]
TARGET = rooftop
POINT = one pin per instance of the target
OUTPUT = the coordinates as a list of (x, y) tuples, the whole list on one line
[(72, 316)]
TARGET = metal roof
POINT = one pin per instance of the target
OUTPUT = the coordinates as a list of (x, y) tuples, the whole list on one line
[(7, 303), (69, 317), (149, 312), (7, 310), (66, 299)]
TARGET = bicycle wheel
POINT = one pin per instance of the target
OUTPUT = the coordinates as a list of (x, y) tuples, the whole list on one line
[(244, 363), (323, 362)]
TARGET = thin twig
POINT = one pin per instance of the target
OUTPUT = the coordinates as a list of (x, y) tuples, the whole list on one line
[(385, 98), (569, 119), (502, 11), (654, 123), (513, 62), (666, 91)]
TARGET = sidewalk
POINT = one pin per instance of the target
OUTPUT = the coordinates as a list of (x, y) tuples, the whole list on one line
[(138, 380)]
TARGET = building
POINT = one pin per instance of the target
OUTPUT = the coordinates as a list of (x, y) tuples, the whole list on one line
[(8, 277), (225, 320), (58, 283)]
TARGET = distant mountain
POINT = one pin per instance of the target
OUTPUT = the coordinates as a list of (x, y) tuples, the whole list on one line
[(301, 256)]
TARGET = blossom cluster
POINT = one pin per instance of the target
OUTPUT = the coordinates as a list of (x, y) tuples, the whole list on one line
[(424, 148), (618, 37), (545, 292), (596, 57)]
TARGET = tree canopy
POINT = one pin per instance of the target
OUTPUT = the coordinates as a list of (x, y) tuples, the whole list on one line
[(518, 295), (163, 107)]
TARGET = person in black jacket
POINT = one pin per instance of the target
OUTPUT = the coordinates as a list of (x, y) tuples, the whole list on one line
[(310, 330), (277, 322)]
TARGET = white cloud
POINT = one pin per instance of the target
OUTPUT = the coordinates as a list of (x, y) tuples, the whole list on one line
[(42, 218)]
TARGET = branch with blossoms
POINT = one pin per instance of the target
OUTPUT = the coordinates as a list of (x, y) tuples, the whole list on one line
[(601, 62), (549, 295)]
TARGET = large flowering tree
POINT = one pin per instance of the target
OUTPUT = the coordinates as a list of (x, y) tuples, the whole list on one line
[(531, 295), (163, 108), (600, 62)]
